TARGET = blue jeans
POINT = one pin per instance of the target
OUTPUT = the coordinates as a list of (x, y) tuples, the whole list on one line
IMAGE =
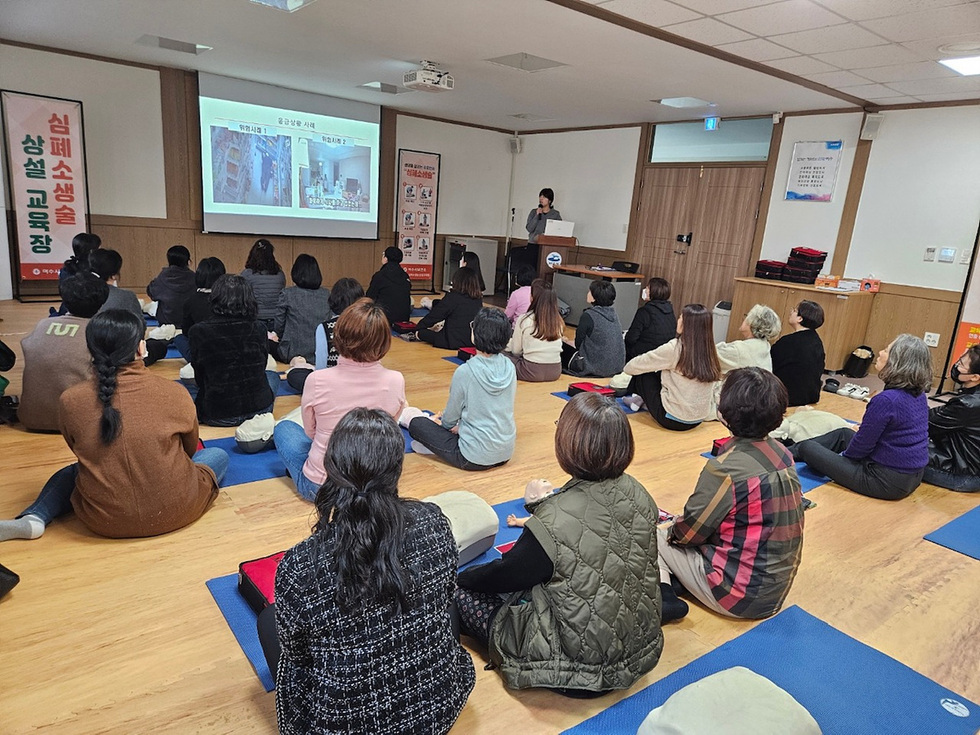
[(55, 497), (293, 446), (183, 346)]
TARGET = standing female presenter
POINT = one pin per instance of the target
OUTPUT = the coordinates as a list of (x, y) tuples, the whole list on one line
[(537, 218)]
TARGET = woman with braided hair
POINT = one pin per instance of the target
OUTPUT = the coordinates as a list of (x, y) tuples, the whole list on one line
[(135, 436)]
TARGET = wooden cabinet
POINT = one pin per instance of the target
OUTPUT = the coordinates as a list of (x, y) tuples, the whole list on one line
[(846, 315)]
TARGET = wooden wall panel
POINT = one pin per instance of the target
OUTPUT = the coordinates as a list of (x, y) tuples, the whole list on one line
[(914, 311), (143, 250)]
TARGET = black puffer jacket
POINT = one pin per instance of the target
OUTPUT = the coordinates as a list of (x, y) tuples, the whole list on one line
[(654, 324), (954, 434), (392, 289)]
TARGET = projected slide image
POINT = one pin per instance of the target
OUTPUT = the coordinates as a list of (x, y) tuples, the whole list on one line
[(338, 177), (247, 168)]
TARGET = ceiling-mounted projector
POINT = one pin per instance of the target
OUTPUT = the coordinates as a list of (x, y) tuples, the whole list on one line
[(428, 79)]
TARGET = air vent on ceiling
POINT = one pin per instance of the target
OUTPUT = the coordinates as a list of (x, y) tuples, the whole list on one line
[(531, 117), (526, 62), (172, 44), (290, 6)]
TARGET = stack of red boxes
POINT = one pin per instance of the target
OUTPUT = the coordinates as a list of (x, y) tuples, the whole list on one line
[(770, 269), (804, 265)]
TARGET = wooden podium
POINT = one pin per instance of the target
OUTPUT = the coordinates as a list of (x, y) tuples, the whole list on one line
[(548, 244)]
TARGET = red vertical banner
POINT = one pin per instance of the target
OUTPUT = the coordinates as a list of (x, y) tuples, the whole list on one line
[(417, 205), (46, 161)]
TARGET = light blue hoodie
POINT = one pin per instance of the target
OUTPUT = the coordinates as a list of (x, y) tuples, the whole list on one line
[(481, 401)]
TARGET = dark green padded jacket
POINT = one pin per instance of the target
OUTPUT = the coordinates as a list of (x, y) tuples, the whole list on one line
[(596, 624)]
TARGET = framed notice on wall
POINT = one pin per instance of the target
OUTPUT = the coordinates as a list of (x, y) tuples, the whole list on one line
[(417, 206), (45, 149), (813, 170)]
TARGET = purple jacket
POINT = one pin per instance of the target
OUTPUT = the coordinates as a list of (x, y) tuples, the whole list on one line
[(894, 432)]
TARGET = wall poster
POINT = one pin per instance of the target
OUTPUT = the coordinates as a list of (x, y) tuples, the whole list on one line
[(417, 205), (813, 170), (45, 149)]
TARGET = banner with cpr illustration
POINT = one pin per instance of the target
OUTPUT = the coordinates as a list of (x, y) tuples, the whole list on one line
[(45, 150), (417, 204)]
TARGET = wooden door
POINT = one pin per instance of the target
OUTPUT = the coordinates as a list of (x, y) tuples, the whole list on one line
[(718, 207), (723, 225), (667, 196)]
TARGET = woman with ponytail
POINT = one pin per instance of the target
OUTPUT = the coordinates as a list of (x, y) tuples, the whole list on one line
[(135, 436), (361, 638)]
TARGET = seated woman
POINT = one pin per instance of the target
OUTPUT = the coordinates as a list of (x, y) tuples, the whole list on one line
[(344, 293), (598, 347), (265, 275), (477, 430), (230, 355), (654, 323), (198, 306), (471, 260), (300, 310), (798, 359), (391, 287), (738, 543), (535, 347), (954, 431), (363, 337), (546, 622), (677, 380), (456, 310), (520, 300), (360, 638), (139, 471), (886, 457), (759, 328)]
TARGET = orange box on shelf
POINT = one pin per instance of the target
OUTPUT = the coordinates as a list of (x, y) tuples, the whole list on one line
[(827, 281), (870, 284)]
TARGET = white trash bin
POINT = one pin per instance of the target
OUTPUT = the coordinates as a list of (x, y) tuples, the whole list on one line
[(721, 315)]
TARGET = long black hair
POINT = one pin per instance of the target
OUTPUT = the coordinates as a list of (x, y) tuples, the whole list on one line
[(359, 502), (113, 337), (262, 258)]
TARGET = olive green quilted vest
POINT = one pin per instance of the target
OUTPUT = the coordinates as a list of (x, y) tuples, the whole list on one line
[(596, 624)]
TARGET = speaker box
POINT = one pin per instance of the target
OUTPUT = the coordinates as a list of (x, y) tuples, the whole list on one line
[(516, 145), (872, 123)]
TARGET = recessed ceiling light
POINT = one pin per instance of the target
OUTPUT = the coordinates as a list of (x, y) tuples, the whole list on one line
[(968, 66), (290, 6), (524, 61), (683, 102), (952, 49)]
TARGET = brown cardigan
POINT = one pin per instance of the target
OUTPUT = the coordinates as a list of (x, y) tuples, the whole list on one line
[(144, 483)]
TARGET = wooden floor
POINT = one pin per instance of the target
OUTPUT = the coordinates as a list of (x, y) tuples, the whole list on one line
[(122, 636)]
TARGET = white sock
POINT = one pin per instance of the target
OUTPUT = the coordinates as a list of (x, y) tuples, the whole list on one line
[(409, 413), (420, 448), (26, 527)]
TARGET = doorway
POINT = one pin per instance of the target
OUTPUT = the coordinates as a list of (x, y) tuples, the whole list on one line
[(696, 226)]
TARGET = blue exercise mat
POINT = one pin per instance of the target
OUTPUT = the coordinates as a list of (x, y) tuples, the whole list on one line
[(248, 467), (453, 359), (960, 534), (619, 402), (172, 353), (809, 479), (418, 312), (242, 620), (285, 389), (151, 321), (505, 534), (848, 687)]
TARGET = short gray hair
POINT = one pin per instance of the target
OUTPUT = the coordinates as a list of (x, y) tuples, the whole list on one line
[(763, 322), (909, 365)]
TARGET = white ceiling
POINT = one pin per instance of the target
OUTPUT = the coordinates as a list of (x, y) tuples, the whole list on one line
[(878, 50), (884, 51)]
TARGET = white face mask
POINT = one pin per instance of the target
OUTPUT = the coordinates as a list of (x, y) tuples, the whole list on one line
[(646, 294)]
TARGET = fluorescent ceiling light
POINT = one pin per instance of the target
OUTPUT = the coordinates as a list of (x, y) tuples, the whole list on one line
[(683, 102), (290, 6), (968, 66), (172, 44)]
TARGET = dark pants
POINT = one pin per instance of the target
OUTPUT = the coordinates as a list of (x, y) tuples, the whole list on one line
[(443, 443), (648, 386), (183, 346), (865, 477), (156, 349), (951, 480), (436, 339), (476, 611), (269, 638), (572, 362)]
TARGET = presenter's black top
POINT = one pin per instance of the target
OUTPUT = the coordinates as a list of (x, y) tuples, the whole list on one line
[(392, 289), (536, 223), (798, 359)]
